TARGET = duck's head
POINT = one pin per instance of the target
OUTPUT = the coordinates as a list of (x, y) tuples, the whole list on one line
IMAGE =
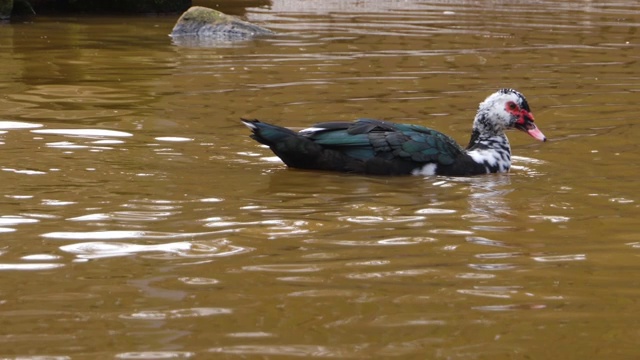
[(505, 109)]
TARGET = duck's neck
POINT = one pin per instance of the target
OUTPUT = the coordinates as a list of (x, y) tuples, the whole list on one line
[(490, 150)]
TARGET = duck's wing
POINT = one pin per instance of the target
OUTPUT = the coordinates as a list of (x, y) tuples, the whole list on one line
[(365, 139)]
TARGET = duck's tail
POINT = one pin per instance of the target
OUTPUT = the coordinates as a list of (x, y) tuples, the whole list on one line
[(268, 134), (292, 148)]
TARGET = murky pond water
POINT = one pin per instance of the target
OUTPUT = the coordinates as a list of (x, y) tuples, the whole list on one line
[(138, 220)]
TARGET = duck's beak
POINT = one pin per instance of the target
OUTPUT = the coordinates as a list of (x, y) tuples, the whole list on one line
[(525, 123)]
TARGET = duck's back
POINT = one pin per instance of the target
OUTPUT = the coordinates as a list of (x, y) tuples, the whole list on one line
[(364, 146)]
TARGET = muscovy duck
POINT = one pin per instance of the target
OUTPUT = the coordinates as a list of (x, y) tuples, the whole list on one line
[(377, 147)]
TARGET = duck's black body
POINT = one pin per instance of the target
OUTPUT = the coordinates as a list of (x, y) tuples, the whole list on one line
[(376, 147), (365, 146)]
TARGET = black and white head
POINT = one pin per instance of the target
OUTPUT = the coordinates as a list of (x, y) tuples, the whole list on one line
[(503, 110)]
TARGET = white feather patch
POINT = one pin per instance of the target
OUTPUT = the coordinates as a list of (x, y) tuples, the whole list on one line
[(311, 130), (490, 157), (427, 170), (249, 125)]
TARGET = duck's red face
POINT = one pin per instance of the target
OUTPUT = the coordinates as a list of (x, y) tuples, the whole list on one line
[(525, 121)]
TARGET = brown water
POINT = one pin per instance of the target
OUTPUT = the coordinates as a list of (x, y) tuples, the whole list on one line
[(139, 221)]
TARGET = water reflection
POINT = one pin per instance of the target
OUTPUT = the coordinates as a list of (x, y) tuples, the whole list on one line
[(133, 196), (10, 125), (155, 355), (176, 314), (35, 266), (192, 249), (294, 350)]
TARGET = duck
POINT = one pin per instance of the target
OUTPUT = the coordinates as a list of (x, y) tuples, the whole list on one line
[(377, 147)]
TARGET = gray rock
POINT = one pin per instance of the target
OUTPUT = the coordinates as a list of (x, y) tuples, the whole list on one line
[(208, 24), (5, 9)]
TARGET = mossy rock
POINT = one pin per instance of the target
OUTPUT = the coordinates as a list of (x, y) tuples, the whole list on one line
[(5, 9), (210, 24)]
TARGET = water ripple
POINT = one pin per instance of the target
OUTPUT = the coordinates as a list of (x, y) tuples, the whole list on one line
[(492, 267), (484, 241), (252, 334), (96, 250), (87, 133), (8, 220), (388, 274), (199, 281), (292, 268), (380, 219), (125, 216), (505, 255), (173, 138), (559, 258), (155, 355), (10, 125), (382, 242), (551, 218), (435, 211), (415, 319), (122, 234), (39, 266), (330, 293), (24, 171), (493, 292), (511, 307), (40, 257), (176, 314), (339, 352), (194, 249)]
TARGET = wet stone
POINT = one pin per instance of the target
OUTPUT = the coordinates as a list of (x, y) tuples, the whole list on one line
[(204, 23)]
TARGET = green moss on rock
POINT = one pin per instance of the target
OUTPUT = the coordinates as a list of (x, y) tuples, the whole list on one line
[(208, 23)]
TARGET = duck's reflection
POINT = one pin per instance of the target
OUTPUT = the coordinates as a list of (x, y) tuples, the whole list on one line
[(487, 198)]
